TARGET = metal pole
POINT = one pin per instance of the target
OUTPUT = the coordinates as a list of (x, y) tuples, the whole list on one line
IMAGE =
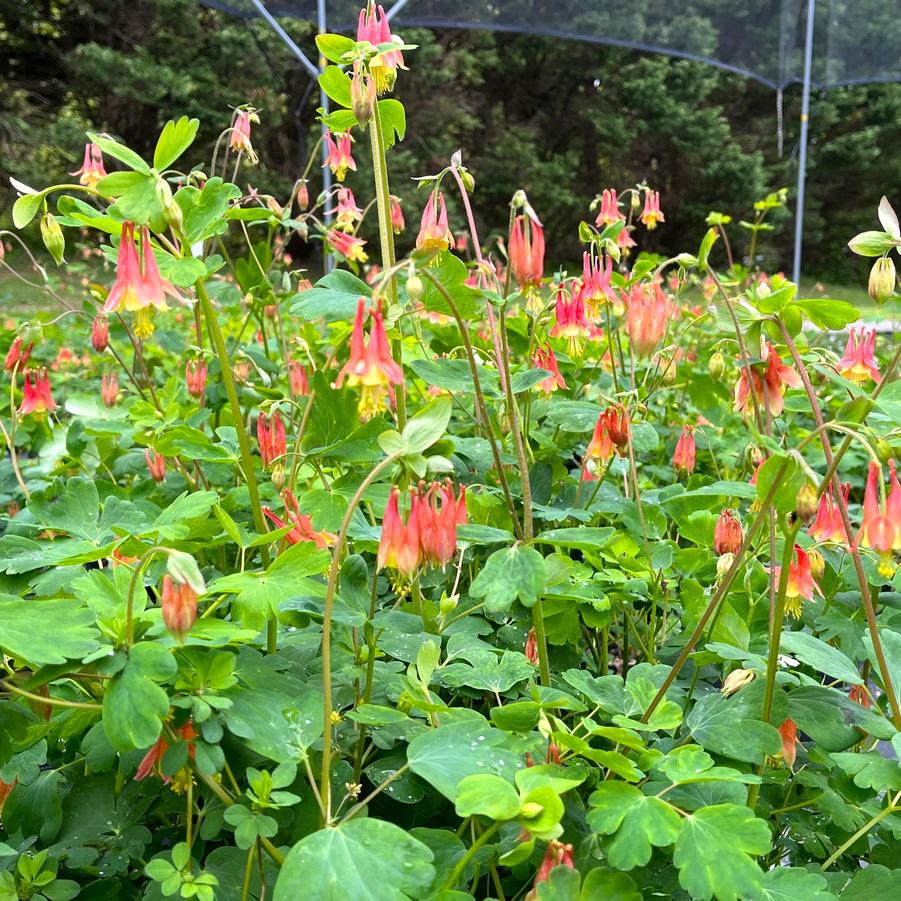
[(802, 157), (396, 9), (286, 38)]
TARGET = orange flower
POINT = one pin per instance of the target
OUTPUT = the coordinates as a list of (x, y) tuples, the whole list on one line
[(728, 534), (544, 358), (647, 314), (880, 529), (303, 525), (800, 584), (769, 388), (789, 732), (684, 454), (179, 604), (828, 525), (399, 544)]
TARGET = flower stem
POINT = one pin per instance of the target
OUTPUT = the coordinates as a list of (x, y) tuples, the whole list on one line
[(460, 868), (247, 466)]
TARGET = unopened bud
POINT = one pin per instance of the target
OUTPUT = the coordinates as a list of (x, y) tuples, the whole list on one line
[(716, 365), (173, 215), (806, 502), (52, 235), (883, 449), (736, 680), (763, 289), (447, 604), (755, 455), (882, 280), (724, 564), (362, 97), (415, 288), (303, 196), (817, 564), (278, 476), (468, 181)]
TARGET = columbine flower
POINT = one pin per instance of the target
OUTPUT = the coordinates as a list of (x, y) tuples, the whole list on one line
[(434, 233), (15, 356), (600, 450), (526, 251), (618, 429), (373, 27), (596, 288), (397, 216), (271, 437), (569, 319), (399, 545), (530, 649), (179, 605), (828, 525), (138, 289), (100, 333), (770, 389), (36, 396), (624, 240), (881, 529), (800, 585), (109, 389), (557, 855), (370, 364), (154, 756), (684, 454), (91, 170), (544, 358), (647, 314), (349, 246), (859, 695), (348, 214), (438, 513), (789, 732), (651, 214), (610, 211), (297, 379), (859, 362), (338, 157), (302, 524), (195, 377), (156, 464), (728, 534)]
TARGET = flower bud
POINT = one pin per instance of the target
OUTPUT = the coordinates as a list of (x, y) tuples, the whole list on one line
[(883, 449), (362, 97), (724, 564), (736, 680), (100, 334), (763, 289), (447, 605), (278, 476), (806, 502), (755, 455), (52, 236), (303, 195), (415, 288), (716, 365), (882, 280), (817, 564), (179, 604), (468, 181)]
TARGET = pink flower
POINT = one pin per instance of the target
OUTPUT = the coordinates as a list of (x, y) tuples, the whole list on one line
[(526, 251), (880, 529), (399, 545), (91, 170), (339, 158), (297, 379), (569, 319), (348, 213), (195, 377), (373, 26), (109, 389), (651, 214), (156, 464), (397, 216), (828, 525), (302, 524), (647, 315), (439, 511), (544, 358), (100, 333), (239, 139), (610, 211), (770, 389), (859, 362), (434, 233), (349, 246), (596, 287), (684, 454)]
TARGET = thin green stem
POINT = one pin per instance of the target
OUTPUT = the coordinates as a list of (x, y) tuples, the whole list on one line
[(462, 863), (873, 821)]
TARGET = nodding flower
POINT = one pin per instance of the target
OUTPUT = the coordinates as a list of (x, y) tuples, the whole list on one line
[(349, 246), (544, 358), (557, 855), (434, 233), (569, 319), (859, 361), (302, 524), (100, 333), (36, 396), (399, 544), (109, 389), (684, 454), (338, 156), (348, 214), (271, 437), (526, 251), (297, 379), (373, 26), (596, 288), (370, 364), (800, 584), (789, 734), (195, 377), (156, 464), (179, 605), (91, 170), (648, 311), (651, 214), (154, 756), (880, 528), (769, 388), (828, 524), (728, 534), (15, 356), (239, 138), (138, 288), (610, 211), (397, 216), (599, 452)]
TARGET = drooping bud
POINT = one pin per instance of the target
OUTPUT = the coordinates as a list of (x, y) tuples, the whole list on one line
[(723, 565), (179, 604), (362, 96), (195, 377), (789, 732), (156, 464), (303, 195), (716, 365), (806, 502), (52, 236), (737, 679), (531, 648), (728, 534), (415, 288), (882, 280), (109, 389), (100, 333), (278, 476)]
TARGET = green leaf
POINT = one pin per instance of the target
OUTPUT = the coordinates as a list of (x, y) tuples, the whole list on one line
[(394, 121), (795, 884), (336, 84), (455, 375), (72, 506), (36, 808), (510, 574), (714, 853), (333, 298), (783, 470), (487, 796), (872, 244), (821, 656), (24, 632), (826, 313), (445, 756), (586, 538), (706, 247), (639, 821), (204, 211), (870, 770), (334, 46), (720, 725), (174, 140), (120, 152), (362, 858), (26, 208), (427, 426), (609, 885), (134, 706)]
